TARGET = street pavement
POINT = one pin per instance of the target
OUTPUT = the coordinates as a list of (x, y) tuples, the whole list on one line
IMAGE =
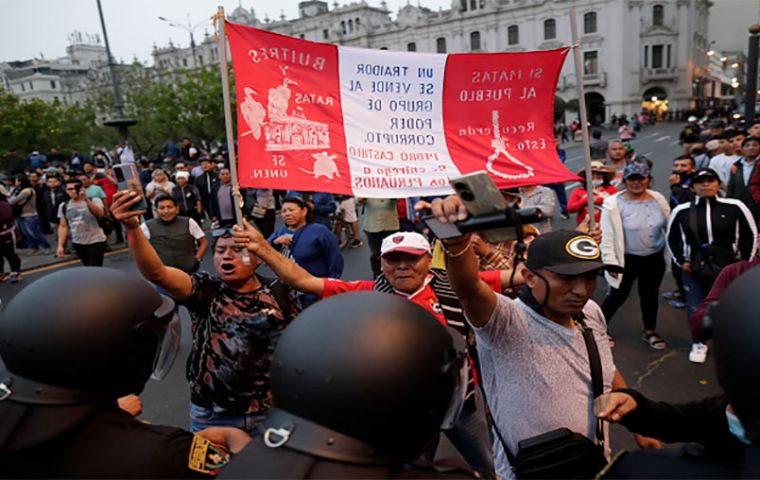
[(665, 375)]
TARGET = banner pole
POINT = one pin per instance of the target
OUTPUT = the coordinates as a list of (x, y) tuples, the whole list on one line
[(223, 68), (584, 116)]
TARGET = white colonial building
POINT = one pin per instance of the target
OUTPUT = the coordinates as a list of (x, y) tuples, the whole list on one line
[(636, 53)]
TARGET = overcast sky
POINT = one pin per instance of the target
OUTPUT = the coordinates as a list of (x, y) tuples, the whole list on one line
[(29, 28)]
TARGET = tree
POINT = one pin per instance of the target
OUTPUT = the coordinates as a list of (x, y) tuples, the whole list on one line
[(36, 125), (187, 104)]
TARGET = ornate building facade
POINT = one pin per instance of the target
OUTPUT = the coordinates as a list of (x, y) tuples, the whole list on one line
[(636, 53)]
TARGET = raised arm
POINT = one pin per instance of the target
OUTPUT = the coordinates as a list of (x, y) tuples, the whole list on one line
[(175, 281), (478, 300), (286, 270)]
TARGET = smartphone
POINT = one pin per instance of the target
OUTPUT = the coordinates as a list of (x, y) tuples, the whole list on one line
[(128, 180), (481, 197), (442, 231)]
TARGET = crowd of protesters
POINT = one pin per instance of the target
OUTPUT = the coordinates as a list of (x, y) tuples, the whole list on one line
[(492, 294)]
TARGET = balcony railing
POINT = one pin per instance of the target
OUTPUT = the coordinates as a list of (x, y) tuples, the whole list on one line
[(654, 74), (595, 79)]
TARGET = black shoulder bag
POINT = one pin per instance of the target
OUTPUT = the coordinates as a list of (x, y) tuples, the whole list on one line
[(707, 260), (562, 453)]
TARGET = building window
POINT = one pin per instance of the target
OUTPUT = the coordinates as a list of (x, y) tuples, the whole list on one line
[(23, 89), (200, 59), (590, 63), (589, 22), (475, 41), (301, 36), (184, 62), (513, 35), (668, 55), (658, 15), (440, 45), (463, 5), (411, 47), (350, 26), (343, 27), (325, 34), (55, 99), (550, 29), (357, 23), (656, 56), (473, 4), (52, 84), (31, 86), (646, 56)]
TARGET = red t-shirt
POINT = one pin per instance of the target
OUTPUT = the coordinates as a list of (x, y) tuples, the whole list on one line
[(424, 298)]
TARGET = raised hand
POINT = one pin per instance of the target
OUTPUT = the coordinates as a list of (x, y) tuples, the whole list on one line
[(120, 208), (248, 237)]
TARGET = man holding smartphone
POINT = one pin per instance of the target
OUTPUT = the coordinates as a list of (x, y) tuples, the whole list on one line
[(79, 216), (537, 336)]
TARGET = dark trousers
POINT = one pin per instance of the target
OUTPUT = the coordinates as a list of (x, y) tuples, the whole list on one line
[(649, 271), (375, 240), (559, 189), (8, 252), (91, 255), (266, 224), (678, 276)]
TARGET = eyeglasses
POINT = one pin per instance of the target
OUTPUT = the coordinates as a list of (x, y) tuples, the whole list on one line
[(222, 232)]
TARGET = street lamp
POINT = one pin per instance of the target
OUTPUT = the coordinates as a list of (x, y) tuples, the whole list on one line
[(189, 28)]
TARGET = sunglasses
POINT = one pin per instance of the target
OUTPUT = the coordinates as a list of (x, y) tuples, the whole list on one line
[(221, 232)]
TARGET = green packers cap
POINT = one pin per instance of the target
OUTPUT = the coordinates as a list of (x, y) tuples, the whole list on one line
[(567, 252)]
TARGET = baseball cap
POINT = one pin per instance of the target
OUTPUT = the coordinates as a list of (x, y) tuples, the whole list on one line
[(567, 252), (407, 242), (704, 173), (635, 168)]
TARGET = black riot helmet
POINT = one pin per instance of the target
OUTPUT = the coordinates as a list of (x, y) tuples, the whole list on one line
[(736, 325), (373, 367), (76, 339)]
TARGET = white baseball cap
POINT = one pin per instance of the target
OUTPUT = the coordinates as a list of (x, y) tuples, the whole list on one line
[(407, 242)]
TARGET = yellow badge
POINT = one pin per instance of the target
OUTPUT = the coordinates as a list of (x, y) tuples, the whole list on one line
[(206, 457), (583, 247)]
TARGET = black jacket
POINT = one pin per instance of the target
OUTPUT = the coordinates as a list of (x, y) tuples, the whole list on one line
[(205, 183), (51, 200), (112, 444), (681, 192), (718, 220)]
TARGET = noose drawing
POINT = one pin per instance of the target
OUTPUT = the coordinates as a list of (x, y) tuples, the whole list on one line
[(500, 148)]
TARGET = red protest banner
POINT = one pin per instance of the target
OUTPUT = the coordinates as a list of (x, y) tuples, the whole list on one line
[(371, 123)]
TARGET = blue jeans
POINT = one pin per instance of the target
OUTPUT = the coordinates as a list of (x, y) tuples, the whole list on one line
[(30, 226), (559, 189), (695, 290), (470, 435), (202, 417)]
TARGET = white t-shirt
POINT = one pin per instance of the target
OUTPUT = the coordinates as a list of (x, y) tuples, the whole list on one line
[(195, 230), (536, 374)]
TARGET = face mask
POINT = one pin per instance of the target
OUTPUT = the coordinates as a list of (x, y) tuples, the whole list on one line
[(597, 183), (736, 428)]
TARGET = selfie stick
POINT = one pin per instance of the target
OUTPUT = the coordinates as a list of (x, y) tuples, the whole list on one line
[(223, 68)]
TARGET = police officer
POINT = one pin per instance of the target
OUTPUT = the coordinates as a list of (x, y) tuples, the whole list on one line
[(727, 426), (360, 383), (72, 343)]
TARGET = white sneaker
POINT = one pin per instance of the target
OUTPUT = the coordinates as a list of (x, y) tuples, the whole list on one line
[(698, 353)]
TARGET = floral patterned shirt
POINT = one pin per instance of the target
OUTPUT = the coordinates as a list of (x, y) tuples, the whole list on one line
[(234, 336)]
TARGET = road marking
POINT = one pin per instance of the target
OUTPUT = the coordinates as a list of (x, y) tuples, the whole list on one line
[(673, 144), (67, 263), (648, 153), (662, 139)]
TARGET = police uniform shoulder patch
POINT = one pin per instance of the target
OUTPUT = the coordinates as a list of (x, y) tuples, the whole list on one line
[(583, 247), (206, 457)]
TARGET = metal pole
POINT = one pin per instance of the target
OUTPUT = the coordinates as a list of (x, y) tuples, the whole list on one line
[(750, 97), (584, 117), (118, 102), (192, 46), (223, 68)]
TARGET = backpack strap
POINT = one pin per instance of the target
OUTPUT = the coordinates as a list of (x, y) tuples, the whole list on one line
[(281, 295)]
